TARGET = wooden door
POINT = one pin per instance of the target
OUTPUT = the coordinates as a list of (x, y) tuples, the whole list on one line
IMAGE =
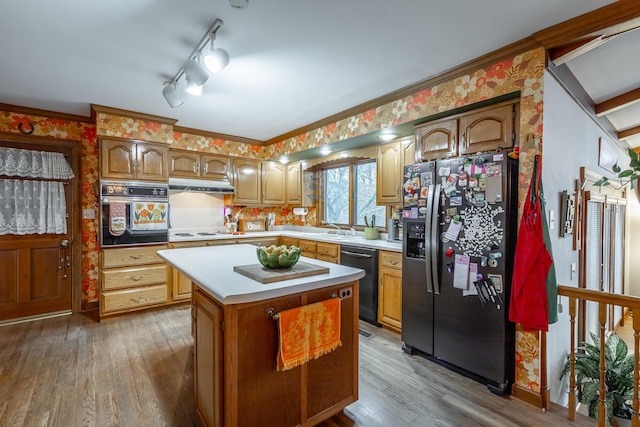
[(389, 173), (184, 164), (37, 274), (436, 140), (152, 162), (215, 168), (247, 180), (273, 183), (118, 159), (487, 129), (390, 290), (294, 184)]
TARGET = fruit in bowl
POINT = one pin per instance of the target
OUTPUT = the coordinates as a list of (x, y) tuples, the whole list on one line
[(277, 257)]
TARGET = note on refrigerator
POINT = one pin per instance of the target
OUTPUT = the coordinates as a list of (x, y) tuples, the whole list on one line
[(453, 230), (461, 272), (473, 273)]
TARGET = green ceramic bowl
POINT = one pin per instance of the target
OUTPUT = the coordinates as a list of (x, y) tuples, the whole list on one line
[(278, 257)]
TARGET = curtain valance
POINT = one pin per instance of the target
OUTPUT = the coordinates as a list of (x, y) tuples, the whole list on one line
[(34, 164)]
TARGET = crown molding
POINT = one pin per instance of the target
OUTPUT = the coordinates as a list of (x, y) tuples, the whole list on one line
[(132, 114), (218, 135), (50, 114)]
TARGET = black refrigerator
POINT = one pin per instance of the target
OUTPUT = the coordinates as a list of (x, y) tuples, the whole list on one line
[(459, 231)]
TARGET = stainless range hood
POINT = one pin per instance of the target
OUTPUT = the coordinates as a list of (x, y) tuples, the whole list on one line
[(200, 186)]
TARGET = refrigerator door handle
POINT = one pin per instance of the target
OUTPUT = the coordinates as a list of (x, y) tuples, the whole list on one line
[(428, 240), (434, 238)]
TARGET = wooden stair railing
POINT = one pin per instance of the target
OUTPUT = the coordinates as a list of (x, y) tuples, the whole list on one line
[(604, 300)]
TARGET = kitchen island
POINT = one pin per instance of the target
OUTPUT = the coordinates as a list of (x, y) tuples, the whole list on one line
[(236, 341)]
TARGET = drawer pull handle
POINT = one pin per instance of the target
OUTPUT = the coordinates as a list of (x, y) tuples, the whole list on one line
[(136, 299), (135, 256), (392, 262), (135, 278)]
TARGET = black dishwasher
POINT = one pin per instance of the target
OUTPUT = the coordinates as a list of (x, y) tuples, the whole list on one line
[(366, 259)]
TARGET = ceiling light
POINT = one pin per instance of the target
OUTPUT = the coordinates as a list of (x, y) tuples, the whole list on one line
[(193, 89), (216, 59), (325, 151), (387, 136), (284, 160), (239, 4), (196, 74), (170, 93)]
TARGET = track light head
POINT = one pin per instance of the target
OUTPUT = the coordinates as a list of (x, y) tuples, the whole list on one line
[(195, 72), (170, 93), (193, 88), (216, 59)]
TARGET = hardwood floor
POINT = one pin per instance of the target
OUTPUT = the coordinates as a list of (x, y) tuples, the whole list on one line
[(138, 371)]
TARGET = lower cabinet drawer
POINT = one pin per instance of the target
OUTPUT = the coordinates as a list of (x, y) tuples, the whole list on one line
[(130, 277), (127, 299), (327, 250)]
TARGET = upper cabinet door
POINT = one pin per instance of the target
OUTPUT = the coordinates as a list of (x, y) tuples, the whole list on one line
[(389, 173), (152, 162), (247, 180), (184, 164), (487, 129), (118, 159), (436, 140), (294, 184), (273, 183), (215, 167), (408, 152)]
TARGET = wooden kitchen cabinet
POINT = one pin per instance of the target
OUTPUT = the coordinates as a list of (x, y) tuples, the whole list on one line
[(483, 129), (390, 290), (247, 179), (407, 153), (436, 140), (288, 241), (308, 248), (487, 129), (389, 173), (274, 177), (328, 252), (293, 191), (125, 159), (132, 279), (208, 360), (187, 164)]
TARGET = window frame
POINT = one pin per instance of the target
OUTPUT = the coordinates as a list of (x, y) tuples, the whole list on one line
[(351, 164)]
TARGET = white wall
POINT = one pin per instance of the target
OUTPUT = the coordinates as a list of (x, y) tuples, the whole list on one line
[(570, 141)]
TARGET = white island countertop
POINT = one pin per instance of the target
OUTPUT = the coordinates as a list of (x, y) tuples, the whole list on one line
[(211, 268)]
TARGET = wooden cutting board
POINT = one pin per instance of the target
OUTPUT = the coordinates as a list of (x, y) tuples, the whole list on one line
[(264, 275)]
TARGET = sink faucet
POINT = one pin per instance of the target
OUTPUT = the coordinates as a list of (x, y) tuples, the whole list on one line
[(340, 231)]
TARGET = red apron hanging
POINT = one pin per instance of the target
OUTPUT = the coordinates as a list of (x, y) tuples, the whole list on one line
[(529, 305)]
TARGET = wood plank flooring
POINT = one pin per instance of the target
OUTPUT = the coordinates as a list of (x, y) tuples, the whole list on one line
[(138, 371)]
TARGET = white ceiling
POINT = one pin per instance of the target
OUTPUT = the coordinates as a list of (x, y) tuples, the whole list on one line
[(293, 62)]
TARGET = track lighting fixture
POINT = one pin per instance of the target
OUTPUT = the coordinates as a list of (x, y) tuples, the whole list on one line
[(194, 72)]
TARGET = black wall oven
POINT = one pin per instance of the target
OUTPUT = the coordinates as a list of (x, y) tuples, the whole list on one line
[(133, 213)]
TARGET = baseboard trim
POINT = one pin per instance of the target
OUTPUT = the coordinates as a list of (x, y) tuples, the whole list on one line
[(89, 306), (526, 395)]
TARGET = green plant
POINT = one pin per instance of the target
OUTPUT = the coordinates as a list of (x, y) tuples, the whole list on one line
[(618, 376), (624, 176)]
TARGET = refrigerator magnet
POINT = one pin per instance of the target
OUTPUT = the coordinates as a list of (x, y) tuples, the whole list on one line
[(496, 279), (456, 201), (453, 230), (426, 179), (423, 192), (443, 171), (462, 179), (473, 182), (452, 211)]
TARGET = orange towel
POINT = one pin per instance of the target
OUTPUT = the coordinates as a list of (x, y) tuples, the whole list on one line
[(308, 332)]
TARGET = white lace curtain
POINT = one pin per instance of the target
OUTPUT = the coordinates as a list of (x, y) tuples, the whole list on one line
[(32, 207), (34, 164)]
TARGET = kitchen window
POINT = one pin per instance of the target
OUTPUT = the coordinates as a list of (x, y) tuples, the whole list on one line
[(350, 194)]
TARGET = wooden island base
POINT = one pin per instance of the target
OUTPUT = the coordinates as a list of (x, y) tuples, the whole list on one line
[(236, 380)]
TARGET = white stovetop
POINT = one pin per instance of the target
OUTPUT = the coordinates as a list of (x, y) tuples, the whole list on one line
[(212, 269)]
